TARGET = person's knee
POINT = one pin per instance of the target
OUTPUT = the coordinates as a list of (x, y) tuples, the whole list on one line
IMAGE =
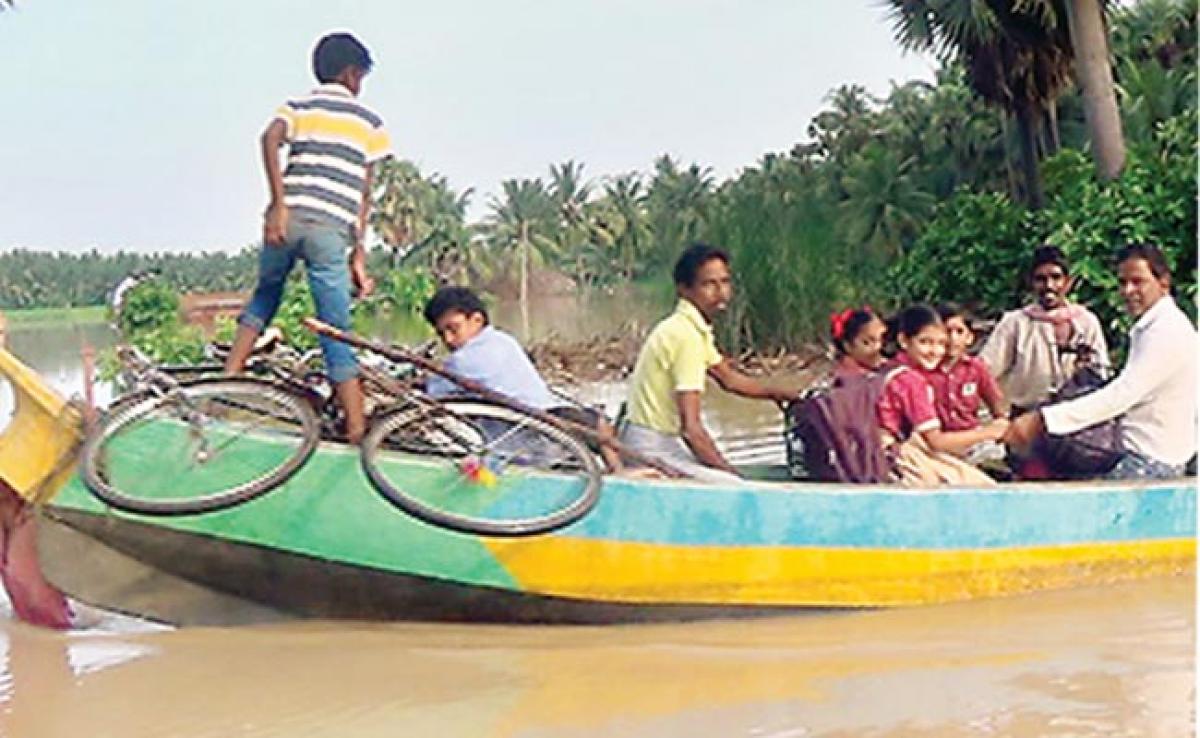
[(341, 369)]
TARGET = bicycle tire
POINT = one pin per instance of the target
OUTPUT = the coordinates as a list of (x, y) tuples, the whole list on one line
[(576, 470), (207, 409)]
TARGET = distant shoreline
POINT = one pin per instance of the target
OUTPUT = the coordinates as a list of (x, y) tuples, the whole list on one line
[(39, 316)]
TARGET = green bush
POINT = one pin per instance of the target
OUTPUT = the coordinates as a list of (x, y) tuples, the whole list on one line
[(973, 252)]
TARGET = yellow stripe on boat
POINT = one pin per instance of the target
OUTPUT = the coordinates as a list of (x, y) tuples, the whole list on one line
[(651, 573), (37, 449)]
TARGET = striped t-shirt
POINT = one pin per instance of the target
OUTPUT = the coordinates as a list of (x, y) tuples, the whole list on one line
[(332, 139)]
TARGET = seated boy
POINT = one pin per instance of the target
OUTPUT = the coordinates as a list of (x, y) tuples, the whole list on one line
[(493, 358)]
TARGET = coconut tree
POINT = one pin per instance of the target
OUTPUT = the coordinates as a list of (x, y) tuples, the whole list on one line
[(884, 205), (846, 125), (524, 223), (623, 216), (675, 203), (571, 195), (422, 219)]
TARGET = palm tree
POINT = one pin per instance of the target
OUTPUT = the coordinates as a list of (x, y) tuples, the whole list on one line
[(1017, 56), (525, 221), (884, 206), (1162, 30), (626, 221), (846, 125), (1151, 94), (675, 202), (422, 219), (571, 194)]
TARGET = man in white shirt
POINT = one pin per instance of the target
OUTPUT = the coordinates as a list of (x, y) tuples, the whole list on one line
[(1155, 394), (1035, 349)]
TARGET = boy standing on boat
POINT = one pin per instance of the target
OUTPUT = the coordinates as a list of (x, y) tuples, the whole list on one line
[(668, 379), (318, 209)]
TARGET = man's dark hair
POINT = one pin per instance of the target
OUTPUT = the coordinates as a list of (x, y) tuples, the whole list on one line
[(694, 257), (1047, 254), (447, 299), (336, 52), (1155, 259)]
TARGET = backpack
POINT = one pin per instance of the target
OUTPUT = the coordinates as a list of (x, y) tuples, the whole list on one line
[(1092, 451), (833, 432)]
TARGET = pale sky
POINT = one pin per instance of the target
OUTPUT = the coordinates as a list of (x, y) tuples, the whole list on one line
[(134, 123)]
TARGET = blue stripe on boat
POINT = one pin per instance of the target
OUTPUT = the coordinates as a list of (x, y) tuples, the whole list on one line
[(935, 519)]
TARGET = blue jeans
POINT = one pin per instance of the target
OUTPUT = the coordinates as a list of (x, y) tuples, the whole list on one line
[(1136, 466), (323, 245)]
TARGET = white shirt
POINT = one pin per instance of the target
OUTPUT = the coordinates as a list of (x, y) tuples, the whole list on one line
[(1155, 393), (1023, 355)]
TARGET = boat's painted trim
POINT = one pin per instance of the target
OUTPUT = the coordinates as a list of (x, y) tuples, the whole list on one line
[(854, 577)]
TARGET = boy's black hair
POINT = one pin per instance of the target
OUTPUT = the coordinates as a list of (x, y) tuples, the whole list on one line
[(1047, 254), (337, 51), (948, 310), (462, 299), (1153, 256), (915, 318), (694, 257)]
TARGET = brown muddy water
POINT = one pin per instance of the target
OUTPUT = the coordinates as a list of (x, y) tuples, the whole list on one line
[(1116, 661)]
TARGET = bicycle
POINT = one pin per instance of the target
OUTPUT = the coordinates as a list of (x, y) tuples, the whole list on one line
[(231, 440)]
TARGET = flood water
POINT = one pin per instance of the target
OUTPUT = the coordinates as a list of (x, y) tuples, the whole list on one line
[(1116, 661)]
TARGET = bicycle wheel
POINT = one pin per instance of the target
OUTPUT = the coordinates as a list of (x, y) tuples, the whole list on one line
[(203, 446), (478, 468)]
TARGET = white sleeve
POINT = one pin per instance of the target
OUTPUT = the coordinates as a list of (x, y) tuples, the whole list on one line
[(1148, 366)]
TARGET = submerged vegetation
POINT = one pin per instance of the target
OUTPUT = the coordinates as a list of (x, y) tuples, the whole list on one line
[(936, 190)]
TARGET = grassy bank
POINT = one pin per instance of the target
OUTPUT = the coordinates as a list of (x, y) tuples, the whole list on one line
[(42, 316)]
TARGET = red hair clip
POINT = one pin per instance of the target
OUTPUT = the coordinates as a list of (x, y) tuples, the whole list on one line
[(837, 323)]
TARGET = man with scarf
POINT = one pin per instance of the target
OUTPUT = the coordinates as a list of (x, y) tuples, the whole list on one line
[(1035, 349)]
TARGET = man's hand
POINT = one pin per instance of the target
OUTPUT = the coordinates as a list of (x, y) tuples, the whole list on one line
[(275, 223), (363, 283), (1024, 430)]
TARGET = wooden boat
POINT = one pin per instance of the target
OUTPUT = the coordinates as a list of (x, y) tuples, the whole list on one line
[(326, 544)]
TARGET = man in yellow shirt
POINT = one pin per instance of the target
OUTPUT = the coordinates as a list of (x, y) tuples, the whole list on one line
[(663, 408)]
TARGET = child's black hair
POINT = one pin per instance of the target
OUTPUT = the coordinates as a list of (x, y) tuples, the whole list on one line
[(915, 318), (462, 299), (337, 51), (948, 310), (694, 257), (846, 326)]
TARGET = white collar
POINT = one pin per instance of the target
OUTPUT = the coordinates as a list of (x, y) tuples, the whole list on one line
[(1153, 313), (333, 88)]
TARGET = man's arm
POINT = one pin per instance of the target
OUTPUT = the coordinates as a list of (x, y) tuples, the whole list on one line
[(1150, 362), (960, 442), (992, 395), (731, 380), (695, 435), (358, 256), (276, 217)]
